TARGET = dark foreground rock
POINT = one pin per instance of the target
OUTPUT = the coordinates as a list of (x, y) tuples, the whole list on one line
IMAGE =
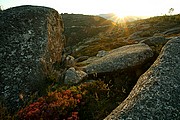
[(156, 94), (121, 58), (31, 42)]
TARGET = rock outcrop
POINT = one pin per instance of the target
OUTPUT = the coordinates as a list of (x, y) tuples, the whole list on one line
[(121, 58), (31, 42), (101, 53), (79, 27), (156, 94), (73, 76), (175, 30), (155, 41)]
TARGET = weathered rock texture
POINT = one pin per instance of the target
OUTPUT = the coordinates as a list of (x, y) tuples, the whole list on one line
[(73, 76), (155, 41), (31, 42), (101, 53), (156, 94), (175, 30), (121, 58)]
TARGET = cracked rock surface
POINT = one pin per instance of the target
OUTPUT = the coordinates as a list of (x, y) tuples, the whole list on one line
[(121, 58), (156, 94), (31, 42)]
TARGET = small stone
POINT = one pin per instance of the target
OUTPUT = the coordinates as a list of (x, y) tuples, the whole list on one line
[(73, 76), (101, 53)]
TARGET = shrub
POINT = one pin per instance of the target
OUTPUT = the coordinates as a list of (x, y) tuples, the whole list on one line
[(90, 101), (56, 105), (72, 103)]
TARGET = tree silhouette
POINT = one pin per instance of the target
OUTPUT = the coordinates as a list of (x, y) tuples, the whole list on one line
[(171, 10), (1, 8)]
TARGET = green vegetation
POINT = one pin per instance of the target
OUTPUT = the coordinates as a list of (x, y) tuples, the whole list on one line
[(118, 35), (88, 26), (93, 100), (84, 20), (102, 44)]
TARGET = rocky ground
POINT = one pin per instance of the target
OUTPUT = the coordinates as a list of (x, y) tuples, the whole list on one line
[(132, 66), (148, 98)]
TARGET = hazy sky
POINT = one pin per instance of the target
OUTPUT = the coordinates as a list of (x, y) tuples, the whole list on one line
[(94, 7)]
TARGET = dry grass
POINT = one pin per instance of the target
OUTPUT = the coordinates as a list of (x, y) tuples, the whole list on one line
[(106, 44)]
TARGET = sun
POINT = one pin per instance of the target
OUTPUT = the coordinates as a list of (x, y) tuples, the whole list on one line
[(120, 14)]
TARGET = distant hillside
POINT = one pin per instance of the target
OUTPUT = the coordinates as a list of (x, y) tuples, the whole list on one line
[(79, 27), (128, 33), (114, 17)]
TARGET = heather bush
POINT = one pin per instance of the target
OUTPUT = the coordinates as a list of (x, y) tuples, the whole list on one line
[(69, 103), (56, 105)]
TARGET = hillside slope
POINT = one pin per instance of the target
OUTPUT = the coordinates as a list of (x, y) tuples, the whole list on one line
[(79, 27), (115, 18), (128, 33), (99, 74)]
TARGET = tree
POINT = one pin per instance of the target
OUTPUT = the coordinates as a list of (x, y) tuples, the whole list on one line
[(171, 10), (1, 8)]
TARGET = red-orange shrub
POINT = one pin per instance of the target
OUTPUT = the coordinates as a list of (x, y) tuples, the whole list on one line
[(57, 105), (77, 102)]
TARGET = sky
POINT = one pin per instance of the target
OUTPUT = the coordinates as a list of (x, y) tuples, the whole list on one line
[(95, 7)]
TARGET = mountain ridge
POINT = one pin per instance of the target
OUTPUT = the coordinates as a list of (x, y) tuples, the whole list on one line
[(115, 18)]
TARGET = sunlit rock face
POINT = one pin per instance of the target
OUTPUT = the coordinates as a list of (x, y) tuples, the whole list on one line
[(31, 42), (121, 58), (156, 94)]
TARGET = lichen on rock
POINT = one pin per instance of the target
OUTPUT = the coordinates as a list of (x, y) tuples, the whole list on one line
[(121, 58), (156, 94), (31, 42)]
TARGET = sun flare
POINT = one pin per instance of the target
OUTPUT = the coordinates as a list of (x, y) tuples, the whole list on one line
[(120, 14)]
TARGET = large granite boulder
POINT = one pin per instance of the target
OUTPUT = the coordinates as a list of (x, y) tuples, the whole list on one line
[(31, 42), (120, 59), (156, 94)]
